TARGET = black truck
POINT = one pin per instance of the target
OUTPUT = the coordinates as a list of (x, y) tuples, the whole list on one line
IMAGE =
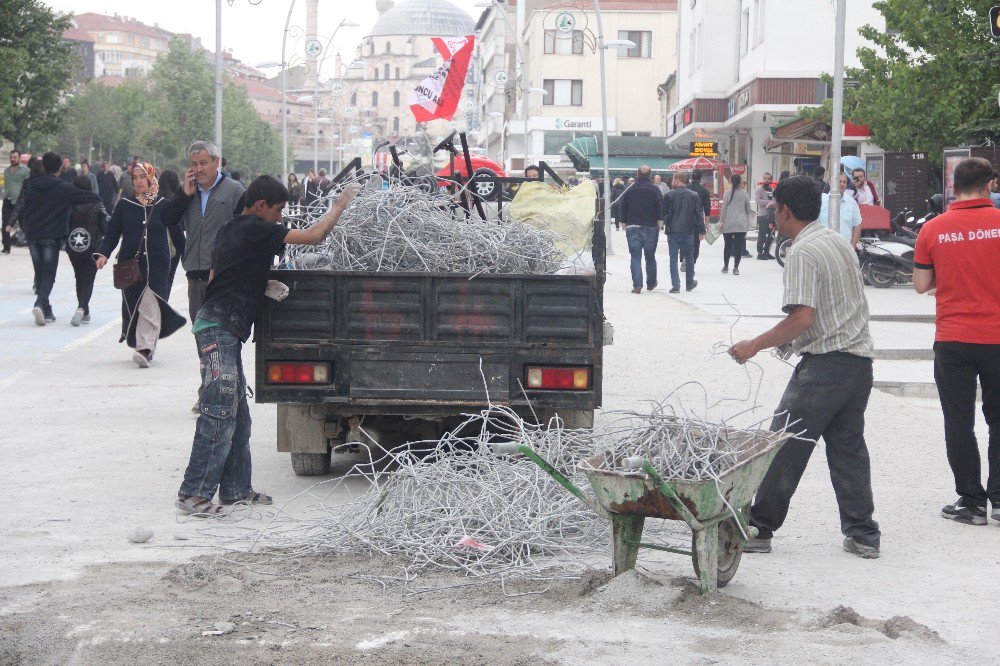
[(407, 354)]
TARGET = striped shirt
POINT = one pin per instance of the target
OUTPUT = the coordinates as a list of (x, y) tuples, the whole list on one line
[(821, 272)]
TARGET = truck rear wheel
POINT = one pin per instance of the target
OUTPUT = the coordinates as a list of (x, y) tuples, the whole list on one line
[(310, 464)]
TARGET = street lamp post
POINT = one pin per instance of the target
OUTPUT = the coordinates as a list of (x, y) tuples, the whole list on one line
[(837, 115), (218, 75)]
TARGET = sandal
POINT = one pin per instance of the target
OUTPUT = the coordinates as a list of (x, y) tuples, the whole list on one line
[(198, 506), (252, 497)]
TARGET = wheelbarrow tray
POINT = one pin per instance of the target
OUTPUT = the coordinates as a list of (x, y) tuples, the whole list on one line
[(634, 493)]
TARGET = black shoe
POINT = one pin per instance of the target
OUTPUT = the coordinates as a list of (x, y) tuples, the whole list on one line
[(747, 255), (49, 317), (694, 283), (675, 290), (761, 257), (961, 512), (769, 256), (757, 545), (863, 551)]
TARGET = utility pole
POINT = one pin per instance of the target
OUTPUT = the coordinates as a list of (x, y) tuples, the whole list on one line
[(218, 75), (837, 117)]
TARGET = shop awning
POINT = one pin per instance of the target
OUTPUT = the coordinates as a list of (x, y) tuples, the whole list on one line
[(628, 153)]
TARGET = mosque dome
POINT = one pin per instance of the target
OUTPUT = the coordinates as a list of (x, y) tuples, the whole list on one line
[(436, 18)]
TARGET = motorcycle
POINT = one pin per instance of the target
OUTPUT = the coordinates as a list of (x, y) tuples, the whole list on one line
[(885, 263)]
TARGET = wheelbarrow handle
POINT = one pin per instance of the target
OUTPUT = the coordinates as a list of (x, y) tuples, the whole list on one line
[(507, 448)]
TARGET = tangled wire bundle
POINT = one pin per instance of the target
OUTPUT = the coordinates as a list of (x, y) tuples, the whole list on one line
[(406, 229)]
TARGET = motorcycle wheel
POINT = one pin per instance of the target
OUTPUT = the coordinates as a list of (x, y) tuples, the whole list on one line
[(782, 250), (880, 274)]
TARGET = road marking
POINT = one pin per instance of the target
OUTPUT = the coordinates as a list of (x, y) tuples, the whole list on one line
[(91, 336)]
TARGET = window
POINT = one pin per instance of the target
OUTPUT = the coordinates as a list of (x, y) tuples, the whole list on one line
[(145, 42), (376, 73), (386, 75), (113, 38), (131, 40), (395, 124), (112, 57), (395, 98), (374, 100), (563, 92), (354, 99), (388, 49), (643, 43), (745, 32), (397, 72), (759, 11), (561, 44)]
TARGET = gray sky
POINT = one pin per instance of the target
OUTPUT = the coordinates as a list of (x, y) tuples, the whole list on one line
[(252, 29)]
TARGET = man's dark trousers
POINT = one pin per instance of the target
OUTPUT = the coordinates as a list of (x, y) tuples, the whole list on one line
[(828, 395), (8, 209), (45, 259), (683, 245), (196, 295), (642, 243), (763, 235), (956, 367)]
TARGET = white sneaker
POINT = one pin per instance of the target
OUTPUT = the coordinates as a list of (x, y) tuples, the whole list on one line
[(77, 317), (38, 315)]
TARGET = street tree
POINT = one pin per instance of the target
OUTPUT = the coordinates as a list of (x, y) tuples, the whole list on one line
[(931, 81), (35, 69)]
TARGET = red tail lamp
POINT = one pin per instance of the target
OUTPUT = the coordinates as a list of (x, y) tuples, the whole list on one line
[(558, 379), (298, 373)]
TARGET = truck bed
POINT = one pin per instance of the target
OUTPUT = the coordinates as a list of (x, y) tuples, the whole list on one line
[(412, 343)]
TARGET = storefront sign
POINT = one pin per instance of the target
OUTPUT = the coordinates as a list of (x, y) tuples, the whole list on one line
[(593, 124), (704, 149), (737, 102)]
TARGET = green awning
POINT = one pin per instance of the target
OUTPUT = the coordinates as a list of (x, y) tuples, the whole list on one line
[(627, 155), (619, 166)]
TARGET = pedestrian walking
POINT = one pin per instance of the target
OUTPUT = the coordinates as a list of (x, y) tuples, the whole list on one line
[(68, 174), (206, 201), (44, 207), (294, 193), (125, 188), (92, 177), (764, 196), (617, 190), (706, 206), (683, 221), (827, 325), (819, 173), (735, 215), (137, 224), (956, 254), (13, 178), (87, 224), (244, 253), (107, 186), (309, 193), (642, 215), (660, 185)]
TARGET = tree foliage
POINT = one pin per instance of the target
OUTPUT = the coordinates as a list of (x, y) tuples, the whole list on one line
[(35, 69), (933, 83), (158, 116)]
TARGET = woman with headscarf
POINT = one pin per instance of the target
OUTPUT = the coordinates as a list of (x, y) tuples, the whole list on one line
[(137, 222)]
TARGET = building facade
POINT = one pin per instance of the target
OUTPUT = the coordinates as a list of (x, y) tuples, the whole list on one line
[(559, 96), (122, 46), (745, 67)]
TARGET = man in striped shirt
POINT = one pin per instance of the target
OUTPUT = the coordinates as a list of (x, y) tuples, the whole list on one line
[(827, 325)]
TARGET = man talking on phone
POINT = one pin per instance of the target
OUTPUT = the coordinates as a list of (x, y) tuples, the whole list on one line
[(206, 202)]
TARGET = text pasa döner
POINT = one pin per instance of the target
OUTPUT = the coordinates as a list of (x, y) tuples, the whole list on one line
[(976, 234)]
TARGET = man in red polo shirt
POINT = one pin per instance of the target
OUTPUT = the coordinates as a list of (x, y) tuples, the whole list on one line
[(957, 254)]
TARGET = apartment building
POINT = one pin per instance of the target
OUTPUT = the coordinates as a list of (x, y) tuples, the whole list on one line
[(745, 67)]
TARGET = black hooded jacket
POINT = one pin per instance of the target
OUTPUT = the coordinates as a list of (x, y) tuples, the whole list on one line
[(45, 204)]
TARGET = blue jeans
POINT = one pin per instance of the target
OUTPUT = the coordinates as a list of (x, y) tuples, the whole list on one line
[(642, 241), (220, 454), (45, 259), (676, 244)]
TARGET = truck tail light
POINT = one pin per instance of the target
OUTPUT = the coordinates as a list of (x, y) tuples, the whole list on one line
[(559, 379), (298, 373)]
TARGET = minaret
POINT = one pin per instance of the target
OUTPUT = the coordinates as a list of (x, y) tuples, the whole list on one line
[(312, 32)]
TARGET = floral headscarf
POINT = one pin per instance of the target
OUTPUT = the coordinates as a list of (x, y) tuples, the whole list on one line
[(149, 197)]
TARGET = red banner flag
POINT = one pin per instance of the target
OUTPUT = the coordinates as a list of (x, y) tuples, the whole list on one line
[(438, 95)]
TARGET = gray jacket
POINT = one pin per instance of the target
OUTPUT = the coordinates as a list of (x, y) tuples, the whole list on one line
[(736, 212), (225, 200)]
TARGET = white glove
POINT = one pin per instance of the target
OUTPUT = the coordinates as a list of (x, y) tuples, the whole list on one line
[(276, 290)]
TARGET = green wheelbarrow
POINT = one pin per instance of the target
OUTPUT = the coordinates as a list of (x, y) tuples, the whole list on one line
[(629, 490)]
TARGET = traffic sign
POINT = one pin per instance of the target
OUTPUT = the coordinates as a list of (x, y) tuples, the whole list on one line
[(995, 21)]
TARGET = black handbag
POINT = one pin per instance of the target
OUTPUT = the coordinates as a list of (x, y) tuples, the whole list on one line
[(126, 272)]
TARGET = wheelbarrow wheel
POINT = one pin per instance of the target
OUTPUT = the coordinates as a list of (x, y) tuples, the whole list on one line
[(730, 551)]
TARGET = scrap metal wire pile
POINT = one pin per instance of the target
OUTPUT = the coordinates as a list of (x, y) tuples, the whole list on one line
[(405, 228), (683, 447), (462, 508)]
